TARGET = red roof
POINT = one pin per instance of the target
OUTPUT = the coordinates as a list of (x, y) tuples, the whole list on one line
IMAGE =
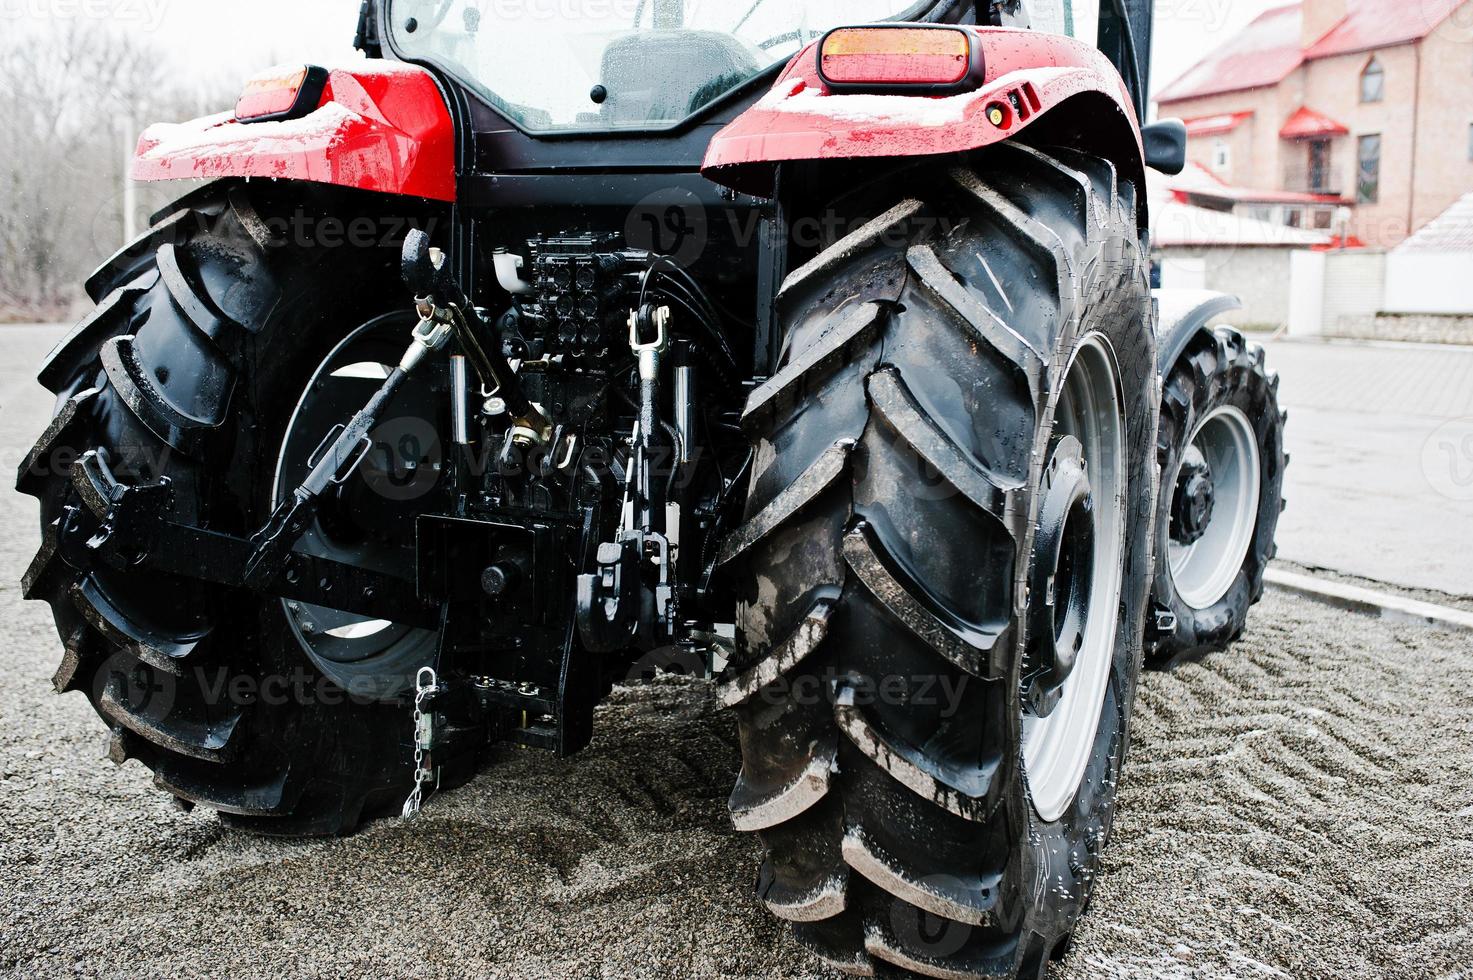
[(1223, 122), (1260, 54), (1269, 48), (1373, 24), (1306, 123)]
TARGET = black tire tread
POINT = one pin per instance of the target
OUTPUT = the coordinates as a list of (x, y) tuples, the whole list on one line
[(897, 407), (204, 279), (1214, 369), (862, 238), (854, 386), (967, 649), (791, 384), (798, 495)]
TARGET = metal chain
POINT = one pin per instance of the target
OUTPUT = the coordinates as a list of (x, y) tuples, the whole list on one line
[(426, 683)]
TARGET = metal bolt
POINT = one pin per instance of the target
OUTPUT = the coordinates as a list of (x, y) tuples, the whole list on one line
[(499, 579)]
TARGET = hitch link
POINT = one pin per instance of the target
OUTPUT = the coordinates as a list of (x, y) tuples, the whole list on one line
[(648, 494), (613, 605), (340, 454)]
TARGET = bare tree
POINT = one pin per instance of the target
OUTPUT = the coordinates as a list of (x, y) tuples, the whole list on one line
[(68, 102)]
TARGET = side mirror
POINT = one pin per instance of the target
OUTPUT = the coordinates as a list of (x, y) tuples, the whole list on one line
[(1165, 143)]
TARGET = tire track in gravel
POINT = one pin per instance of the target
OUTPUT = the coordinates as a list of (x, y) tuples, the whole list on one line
[(1294, 806), (1299, 806)]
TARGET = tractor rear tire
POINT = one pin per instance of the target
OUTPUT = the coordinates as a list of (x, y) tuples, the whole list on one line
[(206, 333), (1221, 449), (949, 369)]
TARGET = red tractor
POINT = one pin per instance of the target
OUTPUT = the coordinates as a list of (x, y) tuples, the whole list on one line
[(537, 351)]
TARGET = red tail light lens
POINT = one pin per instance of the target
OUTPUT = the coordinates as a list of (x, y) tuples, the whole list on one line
[(900, 58), (281, 93)]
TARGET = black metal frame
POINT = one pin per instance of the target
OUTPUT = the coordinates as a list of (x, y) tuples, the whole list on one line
[(503, 170), (131, 527)]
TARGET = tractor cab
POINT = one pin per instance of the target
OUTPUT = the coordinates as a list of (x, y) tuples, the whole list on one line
[(650, 65)]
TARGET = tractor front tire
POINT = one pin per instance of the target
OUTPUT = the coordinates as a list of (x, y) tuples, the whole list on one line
[(1221, 450), (190, 370), (951, 506)]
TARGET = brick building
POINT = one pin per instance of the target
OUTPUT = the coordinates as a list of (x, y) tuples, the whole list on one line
[(1365, 105)]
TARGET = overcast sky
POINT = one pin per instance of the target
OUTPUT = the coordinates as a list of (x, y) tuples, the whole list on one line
[(232, 38)]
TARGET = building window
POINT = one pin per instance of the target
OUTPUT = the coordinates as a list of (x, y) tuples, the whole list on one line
[(1470, 141), (1372, 82), (1368, 169), (1221, 156), (1319, 166)]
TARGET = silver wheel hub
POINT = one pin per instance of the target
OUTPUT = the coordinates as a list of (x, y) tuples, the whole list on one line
[(1208, 545)]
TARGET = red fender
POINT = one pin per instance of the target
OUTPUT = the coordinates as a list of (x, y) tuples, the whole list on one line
[(381, 126), (1027, 73)]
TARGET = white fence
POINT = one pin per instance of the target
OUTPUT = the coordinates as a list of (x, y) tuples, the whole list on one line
[(1332, 289), (1425, 281), (1352, 292)]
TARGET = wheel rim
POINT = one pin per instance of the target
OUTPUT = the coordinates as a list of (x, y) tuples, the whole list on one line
[(364, 655), (1057, 746), (1204, 570)]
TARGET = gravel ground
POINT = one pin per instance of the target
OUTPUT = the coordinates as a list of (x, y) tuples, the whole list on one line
[(1301, 806), (1298, 807)]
